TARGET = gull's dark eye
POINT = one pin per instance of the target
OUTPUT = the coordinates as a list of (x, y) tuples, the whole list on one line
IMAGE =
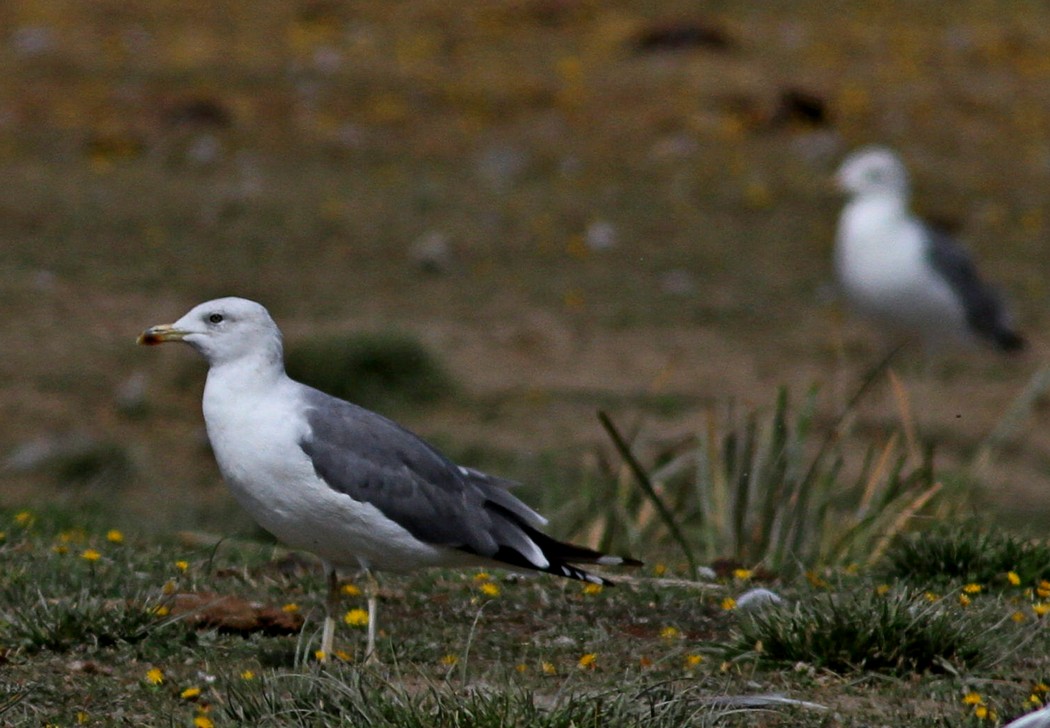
[(215, 318)]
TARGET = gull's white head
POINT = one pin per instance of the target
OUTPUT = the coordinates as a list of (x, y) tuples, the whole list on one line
[(223, 331), (873, 170)]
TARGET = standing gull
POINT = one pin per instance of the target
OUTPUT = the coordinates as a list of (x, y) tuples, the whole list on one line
[(904, 274), (347, 484)]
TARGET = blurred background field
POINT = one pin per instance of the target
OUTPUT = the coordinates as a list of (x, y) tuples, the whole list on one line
[(563, 205)]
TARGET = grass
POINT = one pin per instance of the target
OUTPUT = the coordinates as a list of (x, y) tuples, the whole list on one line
[(899, 631), (293, 154), (768, 490), (466, 648), (970, 553)]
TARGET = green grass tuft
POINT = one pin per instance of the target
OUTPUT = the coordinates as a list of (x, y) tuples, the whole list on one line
[(966, 553), (902, 631), (347, 695), (380, 370)]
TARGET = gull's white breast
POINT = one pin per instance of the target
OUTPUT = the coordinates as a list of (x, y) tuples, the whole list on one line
[(882, 264)]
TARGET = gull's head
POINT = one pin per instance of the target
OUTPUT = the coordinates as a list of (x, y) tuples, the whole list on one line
[(872, 170), (223, 330)]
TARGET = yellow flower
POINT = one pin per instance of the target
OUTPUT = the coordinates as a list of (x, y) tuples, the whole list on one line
[(1043, 590), (882, 589), (161, 610), (154, 676), (356, 618), (82, 717), (169, 587), (931, 597), (3, 535), (482, 576), (588, 661), (521, 667), (1041, 688), (190, 693), (972, 589), (742, 574), (203, 721), (1035, 700), (350, 590), (659, 569), (670, 633), (1013, 578), (290, 608), (60, 548), (114, 536), (90, 555), (182, 565), (728, 603), (693, 660), (964, 600), (972, 698), (590, 589), (1041, 609), (981, 712), (815, 580), (449, 660), (573, 299), (1018, 617), (342, 655), (24, 519), (247, 675), (548, 668), (489, 589), (320, 655)]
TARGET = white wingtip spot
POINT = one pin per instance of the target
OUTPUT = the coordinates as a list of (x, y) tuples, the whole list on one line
[(534, 554), (609, 560)]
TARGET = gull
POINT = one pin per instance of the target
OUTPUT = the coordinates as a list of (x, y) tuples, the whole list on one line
[(904, 274), (349, 485)]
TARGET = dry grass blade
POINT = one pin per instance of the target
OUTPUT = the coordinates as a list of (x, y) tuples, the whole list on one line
[(647, 487), (902, 519)]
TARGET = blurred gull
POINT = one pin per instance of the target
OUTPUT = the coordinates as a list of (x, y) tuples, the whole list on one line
[(904, 274), (347, 484)]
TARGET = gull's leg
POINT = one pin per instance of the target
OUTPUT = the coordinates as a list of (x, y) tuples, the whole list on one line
[(331, 606), (371, 657)]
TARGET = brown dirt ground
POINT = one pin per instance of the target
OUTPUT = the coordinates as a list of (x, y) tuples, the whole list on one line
[(343, 134)]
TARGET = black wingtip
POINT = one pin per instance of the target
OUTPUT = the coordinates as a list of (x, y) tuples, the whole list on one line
[(1010, 342)]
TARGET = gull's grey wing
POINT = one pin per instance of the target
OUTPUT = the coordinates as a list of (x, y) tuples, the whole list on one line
[(985, 312), (374, 460)]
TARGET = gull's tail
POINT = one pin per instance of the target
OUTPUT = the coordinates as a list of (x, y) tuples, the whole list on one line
[(530, 548)]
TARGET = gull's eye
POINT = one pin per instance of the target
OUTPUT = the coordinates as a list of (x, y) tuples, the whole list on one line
[(215, 318)]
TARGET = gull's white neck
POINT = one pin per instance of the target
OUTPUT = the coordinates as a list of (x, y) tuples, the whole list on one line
[(234, 389), (247, 373), (884, 203)]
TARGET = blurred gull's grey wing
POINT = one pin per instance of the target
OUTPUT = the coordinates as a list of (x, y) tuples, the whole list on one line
[(374, 460), (985, 313)]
